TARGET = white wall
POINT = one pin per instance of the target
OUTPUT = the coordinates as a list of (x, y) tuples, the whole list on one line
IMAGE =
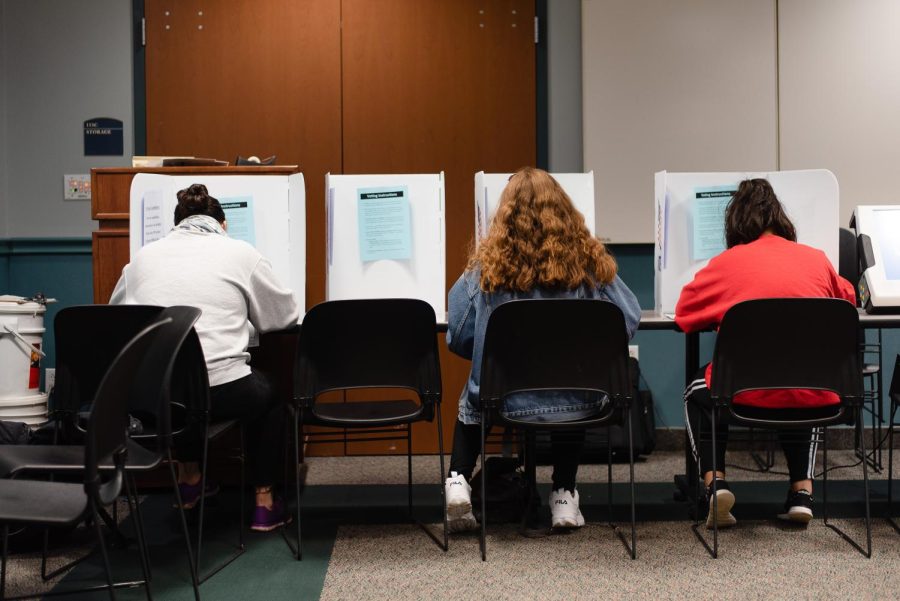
[(4, 201), (563, 31), (65, 62), (840, 94)]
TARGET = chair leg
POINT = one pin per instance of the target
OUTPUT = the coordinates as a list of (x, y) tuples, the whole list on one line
[(868, 516), (609, 499), (45, 551), (203, 461), (440, 429), (890, 485), (133, 502), (825, 476), (409, 489), (298, 419), (714, 550), (483, 539), (5, 550), (102, 543), (184, 527), (242, 459), (867, 552), (631, 486), (530, 479)]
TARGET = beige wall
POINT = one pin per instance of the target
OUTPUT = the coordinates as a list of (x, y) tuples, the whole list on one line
[(839, 64), (733, 85)]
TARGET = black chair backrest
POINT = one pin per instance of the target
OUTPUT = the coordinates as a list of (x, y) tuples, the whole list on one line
[(848, 256), (108, 422), (174, 371), (368, 343), (88, 339), (555, 344), (785, 343)]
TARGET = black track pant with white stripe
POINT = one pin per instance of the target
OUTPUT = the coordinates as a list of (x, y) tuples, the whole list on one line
[(799, 444)]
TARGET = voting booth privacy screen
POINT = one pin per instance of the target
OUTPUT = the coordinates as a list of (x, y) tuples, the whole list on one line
[(385, 238), (878, 229), (267, 211), (690, 220), (489, 187)]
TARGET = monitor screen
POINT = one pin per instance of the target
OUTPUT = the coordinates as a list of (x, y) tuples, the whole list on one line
[(887, 226)]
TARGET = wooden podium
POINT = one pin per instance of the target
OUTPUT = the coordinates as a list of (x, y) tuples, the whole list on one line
[(110, 193)]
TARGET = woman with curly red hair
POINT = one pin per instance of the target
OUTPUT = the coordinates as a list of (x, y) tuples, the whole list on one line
[(538, 246)]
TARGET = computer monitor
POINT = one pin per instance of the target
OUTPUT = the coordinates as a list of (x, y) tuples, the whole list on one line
[(877, 227)]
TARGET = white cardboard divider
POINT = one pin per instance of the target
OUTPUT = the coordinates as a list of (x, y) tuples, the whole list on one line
[(489, 187), (278, 208), (421, 276), (810, 198)]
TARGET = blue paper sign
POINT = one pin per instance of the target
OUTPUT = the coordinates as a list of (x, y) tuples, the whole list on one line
[(239, 217), (708, 220), (384, 223), (103, 137)]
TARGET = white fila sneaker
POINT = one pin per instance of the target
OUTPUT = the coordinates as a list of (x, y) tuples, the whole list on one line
[(459, 497), (564, 509)]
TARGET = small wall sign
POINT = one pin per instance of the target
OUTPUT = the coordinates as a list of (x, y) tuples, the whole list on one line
[(103, 137)]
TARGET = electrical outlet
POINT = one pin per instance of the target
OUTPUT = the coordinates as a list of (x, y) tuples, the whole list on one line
[(49, 379), (633, 351), (77, 186)]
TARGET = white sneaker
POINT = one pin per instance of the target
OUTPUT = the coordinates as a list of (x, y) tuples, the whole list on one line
[(464, 523), (724, 501), (459, 497), (564, 509)]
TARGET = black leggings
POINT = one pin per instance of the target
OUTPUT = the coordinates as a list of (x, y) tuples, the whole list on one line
[(566, 450), (252, 401), (799, 444)]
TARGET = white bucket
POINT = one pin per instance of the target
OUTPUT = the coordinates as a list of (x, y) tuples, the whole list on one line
[(24, 407), (21, 335)]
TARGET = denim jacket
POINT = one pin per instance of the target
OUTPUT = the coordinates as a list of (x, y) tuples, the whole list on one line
[(469, 309)]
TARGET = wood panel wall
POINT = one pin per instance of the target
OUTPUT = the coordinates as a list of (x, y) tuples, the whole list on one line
[(351, 86)]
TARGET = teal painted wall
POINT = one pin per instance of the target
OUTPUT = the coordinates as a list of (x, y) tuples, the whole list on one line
[(61, 268)]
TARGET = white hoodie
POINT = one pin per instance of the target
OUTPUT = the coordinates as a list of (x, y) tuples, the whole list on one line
[(229, 280)]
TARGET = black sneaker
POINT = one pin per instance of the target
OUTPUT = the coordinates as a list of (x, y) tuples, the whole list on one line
[(798, 507), (724, 502)]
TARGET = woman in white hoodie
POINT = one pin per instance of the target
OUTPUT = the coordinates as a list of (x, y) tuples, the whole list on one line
[(197, 264)]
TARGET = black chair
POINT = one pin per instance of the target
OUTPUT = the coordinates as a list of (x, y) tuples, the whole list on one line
[(188, 397), (103, 462), (362, 345), (87, 336), (785, 343), (557, 344)]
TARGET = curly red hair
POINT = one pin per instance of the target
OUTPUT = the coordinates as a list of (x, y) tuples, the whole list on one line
[(538, 239)]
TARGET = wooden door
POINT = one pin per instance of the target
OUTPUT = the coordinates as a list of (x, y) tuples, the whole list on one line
[(439, 85), (263, 78)]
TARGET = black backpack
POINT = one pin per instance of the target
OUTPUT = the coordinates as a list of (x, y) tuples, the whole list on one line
[(507, 491)]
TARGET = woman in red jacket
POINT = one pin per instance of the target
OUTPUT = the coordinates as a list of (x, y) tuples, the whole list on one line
[(762, 260)]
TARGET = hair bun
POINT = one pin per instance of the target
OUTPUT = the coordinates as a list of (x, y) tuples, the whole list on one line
[(194, 199)]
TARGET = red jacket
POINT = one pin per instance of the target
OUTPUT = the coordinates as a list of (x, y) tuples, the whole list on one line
[(769, 267)]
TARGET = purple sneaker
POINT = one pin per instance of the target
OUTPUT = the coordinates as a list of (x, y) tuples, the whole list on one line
[(266, 520), (190, 493)]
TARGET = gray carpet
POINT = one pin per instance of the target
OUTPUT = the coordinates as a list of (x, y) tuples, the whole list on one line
[(658, 467), (758, 560)]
